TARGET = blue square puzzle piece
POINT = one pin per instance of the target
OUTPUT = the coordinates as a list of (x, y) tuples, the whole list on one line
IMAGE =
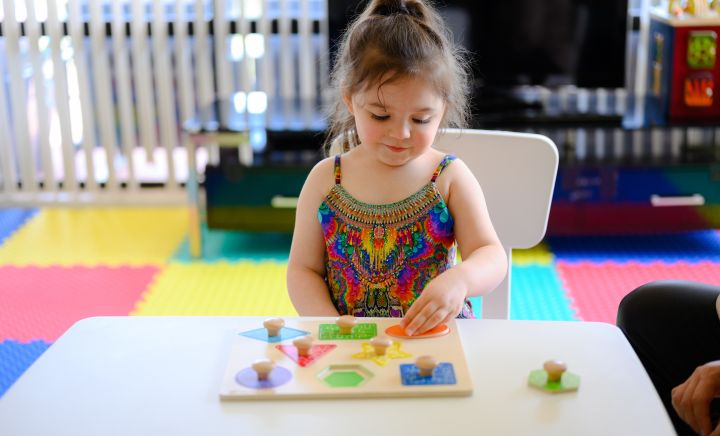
[(444, 374), (285, 334)]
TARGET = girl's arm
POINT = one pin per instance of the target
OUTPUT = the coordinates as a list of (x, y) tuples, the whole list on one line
[(484, 262), (306, 266)]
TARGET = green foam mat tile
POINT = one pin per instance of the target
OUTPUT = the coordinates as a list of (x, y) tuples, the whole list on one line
[(231, 245)]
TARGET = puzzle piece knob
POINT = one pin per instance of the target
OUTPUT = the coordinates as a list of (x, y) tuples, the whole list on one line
[(303, 345), (426, 365), (346, 324), (554, 369), (263, 367), (380, 344), (274, 325)]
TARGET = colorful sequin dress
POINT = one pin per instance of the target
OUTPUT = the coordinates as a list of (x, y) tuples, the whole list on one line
[(380, 257)]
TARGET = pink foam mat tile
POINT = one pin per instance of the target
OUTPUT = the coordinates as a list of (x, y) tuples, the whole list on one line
[(42, 303), (596, 289)]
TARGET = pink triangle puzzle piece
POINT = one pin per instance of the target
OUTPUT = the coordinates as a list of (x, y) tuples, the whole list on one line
[(316, 352)]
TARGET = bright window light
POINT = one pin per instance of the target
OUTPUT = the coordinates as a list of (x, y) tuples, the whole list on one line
[(41, 10), (257, 102), (253, 9), (255, 45), (237, 49), (239, 101)]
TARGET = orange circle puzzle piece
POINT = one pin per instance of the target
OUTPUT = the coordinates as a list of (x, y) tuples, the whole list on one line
[(397, 331)]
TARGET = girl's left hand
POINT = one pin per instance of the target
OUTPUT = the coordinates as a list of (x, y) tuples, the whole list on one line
[(441, 300)]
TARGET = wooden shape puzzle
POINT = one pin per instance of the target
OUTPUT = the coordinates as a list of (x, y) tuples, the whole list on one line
[(286, 333), (392, 352), (399, 332), (331, 332), (339, 373), (443, 374), (316, 352)]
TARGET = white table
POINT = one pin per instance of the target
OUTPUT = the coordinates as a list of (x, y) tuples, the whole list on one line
[(161, 375)]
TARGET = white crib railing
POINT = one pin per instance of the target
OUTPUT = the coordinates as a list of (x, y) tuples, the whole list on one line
[(94, 92)]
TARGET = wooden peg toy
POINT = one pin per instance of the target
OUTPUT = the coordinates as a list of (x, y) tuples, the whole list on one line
[(380, 344), (426, 365), (346, 324), (273, 326), (554, 378), (554, 369), (263, 367), (303, 345)]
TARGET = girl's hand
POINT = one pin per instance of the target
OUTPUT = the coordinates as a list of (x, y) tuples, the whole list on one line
[(441, 300), (692, 399)]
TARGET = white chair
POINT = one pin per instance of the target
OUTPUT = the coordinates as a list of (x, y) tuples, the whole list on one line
[(517, 174)]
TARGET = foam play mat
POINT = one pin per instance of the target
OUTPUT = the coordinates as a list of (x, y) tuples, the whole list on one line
[(595, 289), (60, 265), (96, 236), (42, 303), (219, 288)]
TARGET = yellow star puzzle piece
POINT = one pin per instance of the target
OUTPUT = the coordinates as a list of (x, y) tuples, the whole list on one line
[(392, 352)]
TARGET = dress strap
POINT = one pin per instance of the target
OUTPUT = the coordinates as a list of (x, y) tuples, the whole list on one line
[(441, 166), (338, 175)]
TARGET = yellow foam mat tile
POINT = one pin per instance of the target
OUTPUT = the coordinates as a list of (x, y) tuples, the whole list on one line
[(97, 236), (537, 255), (218, 289), (711, 213)]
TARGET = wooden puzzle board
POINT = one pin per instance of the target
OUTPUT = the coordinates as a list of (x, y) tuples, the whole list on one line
[(335, 372)]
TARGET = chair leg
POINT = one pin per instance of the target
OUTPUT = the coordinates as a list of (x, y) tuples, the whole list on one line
[(496, 305)]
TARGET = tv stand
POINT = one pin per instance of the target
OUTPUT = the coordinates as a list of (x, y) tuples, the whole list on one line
[(538, 119), (537, 107), (611, 179)]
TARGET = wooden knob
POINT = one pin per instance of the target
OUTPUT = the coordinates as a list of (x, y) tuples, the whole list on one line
[(380, 344), (346, 324), (554, 369), (274, 325), (263, 367), (426, 365), (303, 345)]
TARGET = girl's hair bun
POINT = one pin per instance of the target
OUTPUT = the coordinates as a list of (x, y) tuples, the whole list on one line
[(388, 8)]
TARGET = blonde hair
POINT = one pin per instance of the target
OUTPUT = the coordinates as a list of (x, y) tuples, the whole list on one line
[(388, 41)]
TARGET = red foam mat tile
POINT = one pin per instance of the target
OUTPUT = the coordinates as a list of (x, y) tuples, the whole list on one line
[(41, 303), (596, 289)]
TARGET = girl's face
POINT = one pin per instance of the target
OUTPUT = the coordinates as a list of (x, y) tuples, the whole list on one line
[(397, 122)]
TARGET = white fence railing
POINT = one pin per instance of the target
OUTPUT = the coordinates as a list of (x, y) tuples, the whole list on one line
[(94, 91)]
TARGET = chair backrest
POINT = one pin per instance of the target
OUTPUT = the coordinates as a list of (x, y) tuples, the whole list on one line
[(517, 174)]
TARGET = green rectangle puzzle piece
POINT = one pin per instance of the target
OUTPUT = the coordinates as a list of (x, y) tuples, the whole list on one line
[(360, 331)]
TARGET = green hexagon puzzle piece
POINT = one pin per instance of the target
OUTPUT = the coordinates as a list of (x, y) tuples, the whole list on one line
[(568, 382), (344, 376)]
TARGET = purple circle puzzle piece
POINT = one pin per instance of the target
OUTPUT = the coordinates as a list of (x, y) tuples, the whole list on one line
[(277, 377)]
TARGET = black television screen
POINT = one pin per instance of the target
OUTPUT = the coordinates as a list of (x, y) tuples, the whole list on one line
[(528, 42)]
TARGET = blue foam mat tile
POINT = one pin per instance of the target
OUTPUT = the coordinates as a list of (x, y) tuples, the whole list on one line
[(695, 246), (12, 219), (537, 294), (16, 358), (230, 245)]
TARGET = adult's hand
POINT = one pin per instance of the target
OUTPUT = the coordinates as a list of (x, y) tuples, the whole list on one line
[(692, 399)]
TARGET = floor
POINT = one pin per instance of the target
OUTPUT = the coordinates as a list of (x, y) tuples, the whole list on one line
[(59, 265)]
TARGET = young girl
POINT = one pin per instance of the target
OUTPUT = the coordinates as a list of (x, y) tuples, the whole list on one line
[(377, 225)]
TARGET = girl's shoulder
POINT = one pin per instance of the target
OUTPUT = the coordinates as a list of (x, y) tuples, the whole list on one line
[(321, 178), (455, 174)]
